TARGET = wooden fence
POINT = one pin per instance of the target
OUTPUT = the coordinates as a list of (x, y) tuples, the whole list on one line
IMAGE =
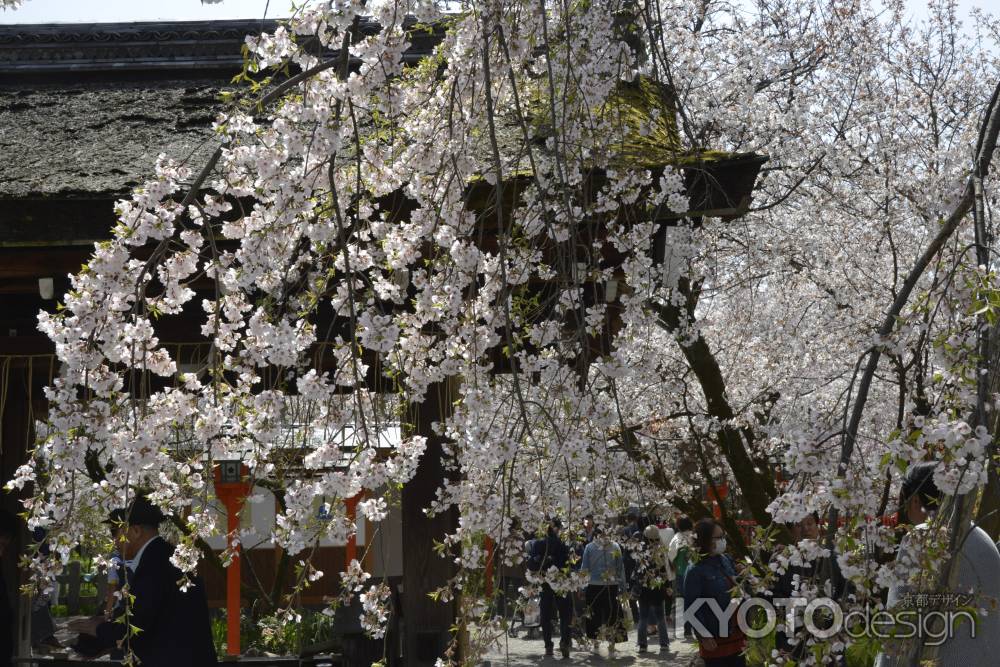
[(71, 584)]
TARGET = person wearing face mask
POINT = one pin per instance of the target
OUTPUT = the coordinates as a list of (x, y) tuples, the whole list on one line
[(713, 577)]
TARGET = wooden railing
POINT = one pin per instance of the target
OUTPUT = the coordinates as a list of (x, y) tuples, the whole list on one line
[(71, 583)]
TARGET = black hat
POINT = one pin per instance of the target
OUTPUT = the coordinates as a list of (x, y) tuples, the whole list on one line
[(920, 481), (140, 513)]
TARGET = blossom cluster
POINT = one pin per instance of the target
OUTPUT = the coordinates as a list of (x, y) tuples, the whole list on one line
[(481, 225)]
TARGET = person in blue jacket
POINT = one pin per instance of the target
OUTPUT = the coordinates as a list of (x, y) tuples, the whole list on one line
[(713, 577), (605, 568)]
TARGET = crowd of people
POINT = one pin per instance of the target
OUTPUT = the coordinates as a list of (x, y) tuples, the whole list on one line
[(634, 575), (643, 575), (644, 572)]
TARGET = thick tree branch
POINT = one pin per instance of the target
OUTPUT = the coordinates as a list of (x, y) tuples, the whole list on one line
[(984, 155), (758, 490)]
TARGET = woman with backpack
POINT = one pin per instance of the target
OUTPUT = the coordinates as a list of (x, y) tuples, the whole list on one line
[(605, 567), (678, 555)]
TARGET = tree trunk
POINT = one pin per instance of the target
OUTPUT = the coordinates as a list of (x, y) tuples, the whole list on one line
[(428, 622), (757, 489), (988, 517)]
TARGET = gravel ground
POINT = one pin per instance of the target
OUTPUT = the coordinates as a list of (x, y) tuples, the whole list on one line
[(520, 652)]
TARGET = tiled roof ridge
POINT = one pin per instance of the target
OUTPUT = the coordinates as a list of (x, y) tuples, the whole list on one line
[(53, 48), (71, 48), (108, 33)]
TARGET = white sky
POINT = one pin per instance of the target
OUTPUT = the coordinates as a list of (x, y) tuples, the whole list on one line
[(109, 11), (101, 11)]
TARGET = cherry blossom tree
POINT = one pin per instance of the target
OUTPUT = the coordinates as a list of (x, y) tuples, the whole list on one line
[(509, 223)]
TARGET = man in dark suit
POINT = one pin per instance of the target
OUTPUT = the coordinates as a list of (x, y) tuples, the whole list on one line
[(546, 552), (174, 627)]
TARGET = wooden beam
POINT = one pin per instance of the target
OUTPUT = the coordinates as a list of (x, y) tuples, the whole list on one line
[(39, 222)]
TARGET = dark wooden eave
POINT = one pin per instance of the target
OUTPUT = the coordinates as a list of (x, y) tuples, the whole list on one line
[(56, 52)]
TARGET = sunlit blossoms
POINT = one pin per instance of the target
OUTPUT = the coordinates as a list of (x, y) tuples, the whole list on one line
[(515, 218)]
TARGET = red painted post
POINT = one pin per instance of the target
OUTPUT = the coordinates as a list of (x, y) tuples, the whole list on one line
[(716, 495), (233, 610), (489, 567), (232, 489)]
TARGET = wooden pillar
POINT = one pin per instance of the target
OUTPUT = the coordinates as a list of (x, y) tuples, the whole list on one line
[(234, 611), (22, 377), (351, 550), (232, 488), (15, 433), (427, 621)]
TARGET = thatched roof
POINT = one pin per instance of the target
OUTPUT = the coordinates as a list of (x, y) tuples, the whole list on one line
[(85, 109), (95, 140)]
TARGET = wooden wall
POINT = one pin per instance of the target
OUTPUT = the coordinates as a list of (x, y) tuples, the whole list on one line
[(264, 563)]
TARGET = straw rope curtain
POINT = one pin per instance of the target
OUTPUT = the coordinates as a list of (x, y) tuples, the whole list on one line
[(12, 365), (30, 363)]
